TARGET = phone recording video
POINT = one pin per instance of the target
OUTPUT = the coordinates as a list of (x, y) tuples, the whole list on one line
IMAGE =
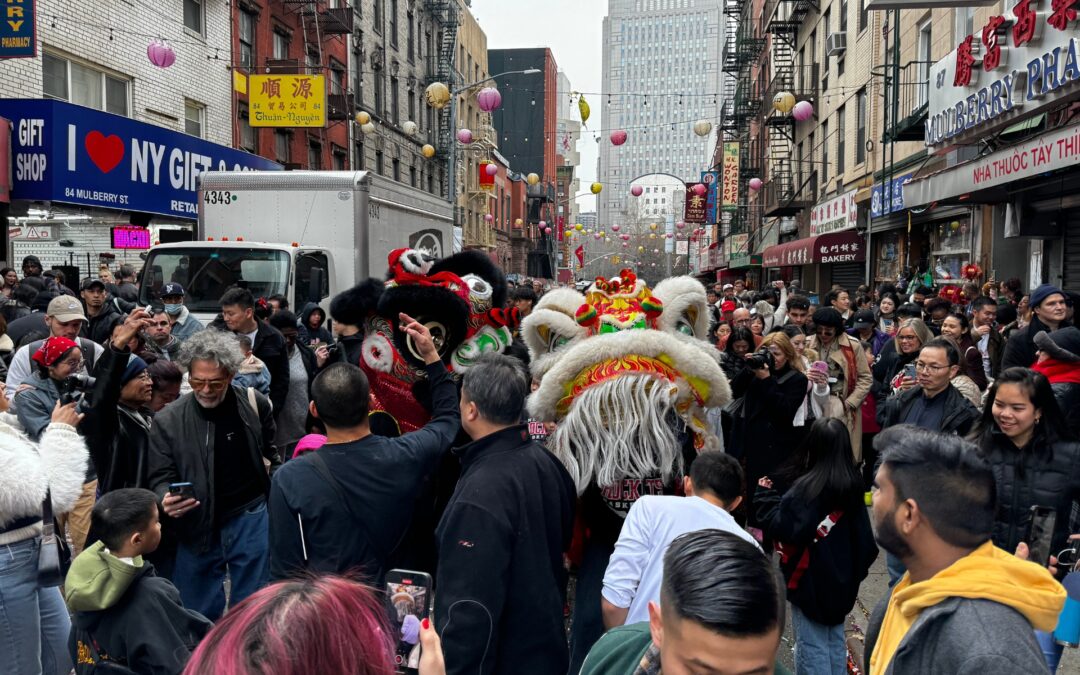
[(408, 602), (1039, 533)]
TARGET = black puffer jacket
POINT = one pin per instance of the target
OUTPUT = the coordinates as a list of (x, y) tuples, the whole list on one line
[(1067, 395), (1037, 475)]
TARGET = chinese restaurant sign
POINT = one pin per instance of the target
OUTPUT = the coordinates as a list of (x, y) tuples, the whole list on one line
[(1017, 64), (730, 165), (839, 213), (287, 100), (694, 211)]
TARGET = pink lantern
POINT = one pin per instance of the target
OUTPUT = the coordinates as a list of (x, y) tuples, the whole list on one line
[(542, 224), (547, 230), (464, 136), (636, 190), (755, 184), (803, 111), (596, 235), (489, 99), (616, 227), (488, 218), (618, 137), (624, 237), (625, 245), (680, 225), (700, 190), (160, 54), (668, 235), (491, 169)]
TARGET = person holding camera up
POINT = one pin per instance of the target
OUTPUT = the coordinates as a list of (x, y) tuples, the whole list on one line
[(764, 434)]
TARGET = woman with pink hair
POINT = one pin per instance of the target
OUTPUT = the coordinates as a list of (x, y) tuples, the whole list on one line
[(323, 625)]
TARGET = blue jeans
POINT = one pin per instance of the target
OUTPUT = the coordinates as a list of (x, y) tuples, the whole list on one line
[(34, 622), (819, 649), (1051, 650), (240, 547)]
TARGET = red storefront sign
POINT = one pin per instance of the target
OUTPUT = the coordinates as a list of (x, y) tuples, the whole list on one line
[(835, 247)]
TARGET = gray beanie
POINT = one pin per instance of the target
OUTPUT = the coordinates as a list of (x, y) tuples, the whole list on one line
[(1062, 344)]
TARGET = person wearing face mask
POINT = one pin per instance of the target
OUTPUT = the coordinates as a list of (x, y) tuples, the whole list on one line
[(1035, 462), (220, 439), (184, 325), (1049, 307), (847, 379)]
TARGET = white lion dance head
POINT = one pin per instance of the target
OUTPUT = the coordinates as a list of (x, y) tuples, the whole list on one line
[(626, 373)]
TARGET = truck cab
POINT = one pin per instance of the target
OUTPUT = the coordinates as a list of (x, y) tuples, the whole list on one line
[(206, 269)]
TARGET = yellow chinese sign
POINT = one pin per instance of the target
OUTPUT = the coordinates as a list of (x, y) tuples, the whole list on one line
[(287, 100), (729, 193)]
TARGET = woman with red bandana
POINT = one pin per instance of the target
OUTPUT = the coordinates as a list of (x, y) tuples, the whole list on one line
[(1059, 360)]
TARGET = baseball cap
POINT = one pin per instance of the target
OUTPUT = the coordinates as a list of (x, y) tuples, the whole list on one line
[(727, 286), (727, 306), (864, 318), (91, 281), (65, 308), (171, 288)]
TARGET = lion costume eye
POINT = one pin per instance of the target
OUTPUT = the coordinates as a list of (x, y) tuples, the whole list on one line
[(477, 286), (684, 327)]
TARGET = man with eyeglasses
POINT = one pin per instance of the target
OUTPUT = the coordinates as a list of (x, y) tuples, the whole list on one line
[(220, 439), (1050, 311), (64, 317), (931, 402)]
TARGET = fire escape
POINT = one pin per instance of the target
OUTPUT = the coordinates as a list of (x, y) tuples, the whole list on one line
[(445, 15), (789, 186), (744, 44), (319, 23)]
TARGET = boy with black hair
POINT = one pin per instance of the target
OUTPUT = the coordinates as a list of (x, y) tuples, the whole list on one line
[(124, 612), (713, 489)]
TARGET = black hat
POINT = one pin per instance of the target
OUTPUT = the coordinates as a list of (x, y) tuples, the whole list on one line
[(91, 281), (829, 316), (1062, 344), (864, 318)]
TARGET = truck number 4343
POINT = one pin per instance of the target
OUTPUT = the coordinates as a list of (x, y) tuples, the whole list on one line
[(218, 197)]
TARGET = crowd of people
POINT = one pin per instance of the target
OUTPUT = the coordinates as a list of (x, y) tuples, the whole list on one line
[(231, 507)]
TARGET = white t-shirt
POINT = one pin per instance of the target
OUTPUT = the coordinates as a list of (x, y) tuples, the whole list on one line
[(636, 567)]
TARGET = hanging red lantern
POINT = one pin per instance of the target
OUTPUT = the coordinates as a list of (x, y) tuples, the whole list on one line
[(489, 99), (618, 137)]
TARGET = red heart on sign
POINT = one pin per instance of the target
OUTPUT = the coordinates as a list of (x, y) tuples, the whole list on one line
[(105, 151)]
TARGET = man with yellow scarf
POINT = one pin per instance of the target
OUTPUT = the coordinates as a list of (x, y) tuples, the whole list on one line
[(963, 606)]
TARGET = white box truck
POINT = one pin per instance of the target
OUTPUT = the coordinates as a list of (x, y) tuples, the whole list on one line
[(307, 235)]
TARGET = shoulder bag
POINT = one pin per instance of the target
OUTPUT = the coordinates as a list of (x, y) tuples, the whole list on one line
[(54, 557)]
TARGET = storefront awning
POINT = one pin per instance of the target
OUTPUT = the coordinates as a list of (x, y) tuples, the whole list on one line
[(834, 247)]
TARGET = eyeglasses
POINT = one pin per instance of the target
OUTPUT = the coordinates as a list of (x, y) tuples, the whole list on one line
[(74, 365), (209, 385), (929, 367)]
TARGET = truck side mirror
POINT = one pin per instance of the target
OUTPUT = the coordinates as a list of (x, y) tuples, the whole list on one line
[(316, 283)]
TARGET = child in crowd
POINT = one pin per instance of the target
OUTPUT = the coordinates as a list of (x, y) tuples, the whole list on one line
[(123, 612), (253, 372)]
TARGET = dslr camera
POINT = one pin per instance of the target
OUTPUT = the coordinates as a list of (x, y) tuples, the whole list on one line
[(73, 387), (762, 358)]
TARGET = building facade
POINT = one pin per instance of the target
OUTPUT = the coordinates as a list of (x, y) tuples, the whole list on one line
[(661, 73), (473, 200)]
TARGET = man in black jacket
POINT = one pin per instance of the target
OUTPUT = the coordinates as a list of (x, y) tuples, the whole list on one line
[(359, 484), (102, 314), (238, 316), (220, 439), (931, 402), (1050, 309), (304, 364), (501, 580)]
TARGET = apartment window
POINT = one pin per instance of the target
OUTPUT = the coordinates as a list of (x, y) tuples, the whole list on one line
[(377, 15), (393, 24), (247, 38), (337, 77), (860, 126), (412, 176), (84, 85), (281, 45), (282, 143), (193, 16), (379, 162), (431, 182), (248, 137), (395, 108), (396, 164), (843, 16), (339, 159), (864, 16), (825, 151), (412, 105), (411, 44), (799, 168), (925, 46), (194, 118), (314, 156), (358, 156), (841, 127), (380, 91)]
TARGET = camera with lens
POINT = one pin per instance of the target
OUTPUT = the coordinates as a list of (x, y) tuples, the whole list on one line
[(762, 358), (73, 387)]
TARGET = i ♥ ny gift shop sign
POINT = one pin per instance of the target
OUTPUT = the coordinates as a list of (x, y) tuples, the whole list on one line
[(67, 153)]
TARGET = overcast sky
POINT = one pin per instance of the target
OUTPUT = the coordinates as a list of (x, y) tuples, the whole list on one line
[(573, 30)]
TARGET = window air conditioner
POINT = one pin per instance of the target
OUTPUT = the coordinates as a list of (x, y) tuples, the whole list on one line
[(836, 44)]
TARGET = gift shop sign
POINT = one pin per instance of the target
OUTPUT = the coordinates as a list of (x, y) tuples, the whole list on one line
[(839, 213), (1017, 64), (1048, 152), (67, 153)]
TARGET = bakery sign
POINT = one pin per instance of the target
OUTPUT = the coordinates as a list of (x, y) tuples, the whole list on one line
[(1019, 63), (834, 215)]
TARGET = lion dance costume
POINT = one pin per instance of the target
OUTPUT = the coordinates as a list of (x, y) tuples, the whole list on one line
[(627, 375)]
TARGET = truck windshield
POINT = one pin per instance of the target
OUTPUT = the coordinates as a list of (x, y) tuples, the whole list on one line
[(206, 273)]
